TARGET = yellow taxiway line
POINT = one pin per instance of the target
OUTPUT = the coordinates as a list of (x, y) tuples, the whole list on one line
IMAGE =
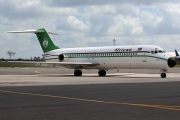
[(177, 108)]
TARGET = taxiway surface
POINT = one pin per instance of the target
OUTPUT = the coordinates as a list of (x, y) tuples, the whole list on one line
[(46, 93)]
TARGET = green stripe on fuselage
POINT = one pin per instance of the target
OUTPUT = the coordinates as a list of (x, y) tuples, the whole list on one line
[(111, 57)]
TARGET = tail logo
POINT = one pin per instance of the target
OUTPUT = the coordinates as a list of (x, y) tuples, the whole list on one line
[(45, 43)]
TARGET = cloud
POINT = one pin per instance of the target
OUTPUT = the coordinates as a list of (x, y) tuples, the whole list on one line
[(83, 23), (76, 3), (75, 23), (105, 9), (150, 21), (125, 25)]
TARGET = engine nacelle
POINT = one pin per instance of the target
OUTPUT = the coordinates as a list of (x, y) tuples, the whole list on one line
[(61, 57)]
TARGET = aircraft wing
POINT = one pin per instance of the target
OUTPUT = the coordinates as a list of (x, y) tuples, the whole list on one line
[(64, 64), (74, 64)]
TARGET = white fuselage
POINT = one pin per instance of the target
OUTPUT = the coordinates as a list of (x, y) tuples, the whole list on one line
[(114, 57)]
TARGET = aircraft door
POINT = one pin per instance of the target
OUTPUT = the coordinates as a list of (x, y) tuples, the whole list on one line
[(144, 60)]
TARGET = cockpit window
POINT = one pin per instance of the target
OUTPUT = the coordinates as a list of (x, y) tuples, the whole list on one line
[(157, 51), (160, 51)]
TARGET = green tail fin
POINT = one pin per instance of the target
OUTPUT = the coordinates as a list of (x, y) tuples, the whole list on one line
[(45, 41)]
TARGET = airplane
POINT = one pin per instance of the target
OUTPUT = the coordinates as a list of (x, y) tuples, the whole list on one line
[(103, 58)]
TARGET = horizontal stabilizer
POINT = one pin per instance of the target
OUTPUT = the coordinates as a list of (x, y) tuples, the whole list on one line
[(63, 64), (31, 31)]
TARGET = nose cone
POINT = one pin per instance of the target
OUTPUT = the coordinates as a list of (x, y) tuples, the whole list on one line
[(171, 62)]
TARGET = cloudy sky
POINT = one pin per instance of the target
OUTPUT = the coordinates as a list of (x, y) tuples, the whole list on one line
[(89, 23)]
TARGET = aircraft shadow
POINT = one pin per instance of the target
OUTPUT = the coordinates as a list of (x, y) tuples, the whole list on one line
[(95, 76)]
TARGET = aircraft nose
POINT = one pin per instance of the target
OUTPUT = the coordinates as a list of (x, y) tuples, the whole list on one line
[(171, 62)]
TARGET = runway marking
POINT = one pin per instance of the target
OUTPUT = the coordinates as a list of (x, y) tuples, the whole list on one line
[(36, 72), (177, 108)]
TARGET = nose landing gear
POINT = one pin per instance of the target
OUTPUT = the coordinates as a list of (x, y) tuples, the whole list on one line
[(163, 74)]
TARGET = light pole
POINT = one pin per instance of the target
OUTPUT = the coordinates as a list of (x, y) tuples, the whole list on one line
[(114, 42)]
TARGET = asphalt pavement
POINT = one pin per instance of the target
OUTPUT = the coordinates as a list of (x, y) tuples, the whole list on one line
[(154, 100)]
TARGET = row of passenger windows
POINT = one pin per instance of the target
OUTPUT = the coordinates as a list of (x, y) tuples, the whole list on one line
[(101, 54)]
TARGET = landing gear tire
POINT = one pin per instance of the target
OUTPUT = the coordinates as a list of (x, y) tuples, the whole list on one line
[(77, 73), (102, 73), (163, 75)]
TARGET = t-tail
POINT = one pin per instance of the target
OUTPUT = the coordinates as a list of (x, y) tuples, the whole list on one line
[(45, 41)]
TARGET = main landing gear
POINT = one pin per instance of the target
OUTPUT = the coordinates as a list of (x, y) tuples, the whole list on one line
[(102, 73), (77, 72), (163, 74)]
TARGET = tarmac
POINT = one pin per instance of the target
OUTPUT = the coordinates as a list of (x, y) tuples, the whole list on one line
[(55, 93)]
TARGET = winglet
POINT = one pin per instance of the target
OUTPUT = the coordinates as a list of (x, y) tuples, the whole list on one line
[(177, 54)]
